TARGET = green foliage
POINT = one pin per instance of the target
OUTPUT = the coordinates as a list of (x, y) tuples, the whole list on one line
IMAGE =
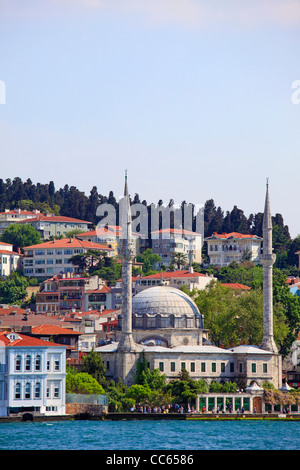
[(150, 261), (13, 289), (94, 366), (83, 383), (20, 235)]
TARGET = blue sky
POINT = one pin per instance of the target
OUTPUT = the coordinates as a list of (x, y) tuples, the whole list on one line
[(192, 97)]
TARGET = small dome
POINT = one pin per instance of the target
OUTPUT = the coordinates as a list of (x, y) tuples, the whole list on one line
[(170, 306)]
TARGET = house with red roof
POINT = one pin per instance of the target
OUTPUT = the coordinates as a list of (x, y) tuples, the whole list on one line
[(32, 375), (51, 225), (9, 259), (169, 241), (226, 248), (11, 216), (48, 259)]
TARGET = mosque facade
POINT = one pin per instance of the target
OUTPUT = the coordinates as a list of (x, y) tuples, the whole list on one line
[(164, 325)]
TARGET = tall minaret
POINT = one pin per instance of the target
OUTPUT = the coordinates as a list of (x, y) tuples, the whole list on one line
[(267, 260), (126, 343)]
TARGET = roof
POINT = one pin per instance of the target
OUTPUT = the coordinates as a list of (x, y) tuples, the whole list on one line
[(7, 252), (249, 349), (101, 290), (236, 285), (112, 347), (54, 218), (23, 340), (178, 231), (172, 274), (20, 212), (232, 235), (69, 243), (53, 330)]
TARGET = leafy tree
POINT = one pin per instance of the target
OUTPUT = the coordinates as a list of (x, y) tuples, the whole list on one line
[(94, 366), (84, 383), (13, 289), (149, 260), (20, 235)]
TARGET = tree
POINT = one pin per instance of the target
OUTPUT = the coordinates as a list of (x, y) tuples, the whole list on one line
[(149, 260), (93, 365), (179, 259), (20, 235), (83, 383), (13, 289)]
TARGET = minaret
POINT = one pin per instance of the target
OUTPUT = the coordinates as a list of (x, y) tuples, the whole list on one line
[(267, 260), (127, 255)]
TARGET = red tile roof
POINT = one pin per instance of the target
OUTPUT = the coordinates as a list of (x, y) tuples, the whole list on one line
[(69, 243), (173, 274), (53, 330), (177, 231), (236, 285), (23, 340), (232, 235), (101, 290), (54, 218)]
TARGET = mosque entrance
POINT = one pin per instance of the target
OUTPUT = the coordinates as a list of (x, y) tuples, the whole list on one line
[(257, 404)]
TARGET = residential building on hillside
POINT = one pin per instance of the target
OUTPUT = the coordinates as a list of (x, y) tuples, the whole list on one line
[(9, 260), (189, 278), (167, 242), (9, 217), (66, 292), (50, 225), (32, 375), (98, 299), (225, 248), (110, 236), (49, 258)]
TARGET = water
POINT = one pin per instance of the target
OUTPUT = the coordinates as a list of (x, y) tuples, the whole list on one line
[(151, 435)]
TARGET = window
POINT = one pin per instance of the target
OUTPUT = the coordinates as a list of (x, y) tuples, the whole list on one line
[(192, 367), (107, 365), (183, 366), (161, 366), (56, 364), (28, 363), (172, 366), (37, 390), (222, 366), (17, 391), (253, 367), (231, 366), (28, 390), (265, 368), (18, 363), (48, 365), (202, 366), (56, 391), (38, 363), (213, 367), (241, 367), (58, 261), (39, 252)]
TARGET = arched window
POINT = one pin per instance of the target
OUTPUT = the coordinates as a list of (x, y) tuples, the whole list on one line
[(17, 391), (18, 363), (37, 392), (28, 390), (38, 363), (28, 363)]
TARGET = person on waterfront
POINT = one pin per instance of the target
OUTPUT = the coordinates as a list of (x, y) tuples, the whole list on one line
[(203, 409)]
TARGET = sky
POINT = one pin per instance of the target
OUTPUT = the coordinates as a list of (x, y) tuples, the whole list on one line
[(197, 99)]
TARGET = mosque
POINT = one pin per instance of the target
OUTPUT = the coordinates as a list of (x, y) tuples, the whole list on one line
[(164, 325)]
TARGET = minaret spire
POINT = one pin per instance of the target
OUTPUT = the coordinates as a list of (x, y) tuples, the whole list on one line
[(267, 260), (127, 254)]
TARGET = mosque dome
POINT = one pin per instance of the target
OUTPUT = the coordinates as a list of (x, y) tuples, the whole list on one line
[(164, 307)]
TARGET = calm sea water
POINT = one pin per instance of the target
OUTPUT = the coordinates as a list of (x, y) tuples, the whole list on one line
[(151, 435)]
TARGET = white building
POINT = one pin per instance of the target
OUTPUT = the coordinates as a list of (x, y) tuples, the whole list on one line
[(9, 260), (50, 225), (32, 375), (9, 217), (50, 258), (225, 248), (170, 241)]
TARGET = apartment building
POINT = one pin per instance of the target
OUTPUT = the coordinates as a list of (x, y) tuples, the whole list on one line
[(167, 242), (50, 225), (225, 248), (179, 278), (9, 217), (50, 258)]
